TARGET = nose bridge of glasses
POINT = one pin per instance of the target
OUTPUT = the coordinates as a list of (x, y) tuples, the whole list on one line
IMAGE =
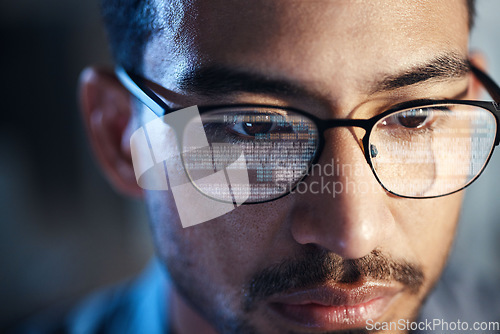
[(339, 163), (340, 147), (351, 124), (335, 123)]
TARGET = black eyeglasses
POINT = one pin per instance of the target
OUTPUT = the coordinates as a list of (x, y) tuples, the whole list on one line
[(418, 149)]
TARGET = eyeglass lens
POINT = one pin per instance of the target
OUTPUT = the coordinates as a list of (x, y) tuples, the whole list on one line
[(432, 151), (424, 152)]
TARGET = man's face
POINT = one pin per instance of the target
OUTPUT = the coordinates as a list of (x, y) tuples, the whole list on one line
[(310, 262)]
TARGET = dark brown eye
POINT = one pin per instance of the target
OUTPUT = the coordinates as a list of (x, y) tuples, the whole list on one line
[(413, 118), (253, 128)]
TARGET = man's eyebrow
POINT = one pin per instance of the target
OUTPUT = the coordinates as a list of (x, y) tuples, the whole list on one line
[(442, 68), (218, 80)]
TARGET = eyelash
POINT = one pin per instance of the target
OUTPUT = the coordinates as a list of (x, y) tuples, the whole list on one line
[(436, 124), (224, 128), (222, 131), (228, 136)]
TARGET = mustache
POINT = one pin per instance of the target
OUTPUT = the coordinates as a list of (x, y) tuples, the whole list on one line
[(318, 266)]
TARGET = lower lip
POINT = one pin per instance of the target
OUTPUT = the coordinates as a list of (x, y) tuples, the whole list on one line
[(327, 318)]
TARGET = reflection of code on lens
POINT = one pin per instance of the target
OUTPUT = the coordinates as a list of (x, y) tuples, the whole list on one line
[(444, 153)]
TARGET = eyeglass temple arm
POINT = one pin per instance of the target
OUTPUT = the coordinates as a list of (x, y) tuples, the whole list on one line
[(491, 87), (142, 92)]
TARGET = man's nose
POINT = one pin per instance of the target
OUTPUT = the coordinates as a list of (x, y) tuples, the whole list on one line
[(340, 206)]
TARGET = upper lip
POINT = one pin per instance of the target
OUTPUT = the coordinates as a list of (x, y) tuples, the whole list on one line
[(337, 294)]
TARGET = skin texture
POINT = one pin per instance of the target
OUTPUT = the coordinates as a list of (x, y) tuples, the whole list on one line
[(337, 48)]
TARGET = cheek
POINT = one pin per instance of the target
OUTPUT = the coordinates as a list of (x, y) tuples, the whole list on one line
[(428, 227), (243, 239)]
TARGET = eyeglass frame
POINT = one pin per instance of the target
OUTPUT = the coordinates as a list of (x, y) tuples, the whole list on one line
[(137, 86)]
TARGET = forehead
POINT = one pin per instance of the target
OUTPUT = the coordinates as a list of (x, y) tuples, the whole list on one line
[(345, 39)]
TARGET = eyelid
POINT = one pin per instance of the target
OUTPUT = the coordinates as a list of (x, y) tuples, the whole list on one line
[(277, 111), (400, 103), (430, 118)]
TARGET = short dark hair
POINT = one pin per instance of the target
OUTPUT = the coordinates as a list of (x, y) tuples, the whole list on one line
[(130, 24)]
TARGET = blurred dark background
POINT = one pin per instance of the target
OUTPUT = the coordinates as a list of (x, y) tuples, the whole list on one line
[(64, 231)]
